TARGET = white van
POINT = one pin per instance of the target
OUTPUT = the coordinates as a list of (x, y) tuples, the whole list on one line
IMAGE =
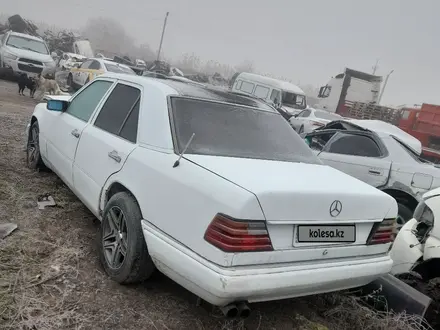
[(291, 98)]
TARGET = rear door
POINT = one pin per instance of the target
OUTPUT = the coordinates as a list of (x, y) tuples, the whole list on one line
[(359, 155), (106, 144)]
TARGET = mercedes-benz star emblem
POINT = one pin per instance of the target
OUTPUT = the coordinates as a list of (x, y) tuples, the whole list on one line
[(335, 208)]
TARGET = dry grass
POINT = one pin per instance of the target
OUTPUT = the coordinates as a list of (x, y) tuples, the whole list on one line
[(50, 277), (350, 312)]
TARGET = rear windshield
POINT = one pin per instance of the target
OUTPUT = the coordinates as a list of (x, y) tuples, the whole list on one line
[(232, 130), (118, 68)]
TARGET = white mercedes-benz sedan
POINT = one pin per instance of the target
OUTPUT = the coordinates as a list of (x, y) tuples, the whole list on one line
[(202, 184)]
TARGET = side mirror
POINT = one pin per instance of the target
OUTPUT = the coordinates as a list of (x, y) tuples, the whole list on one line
[(57, 105)]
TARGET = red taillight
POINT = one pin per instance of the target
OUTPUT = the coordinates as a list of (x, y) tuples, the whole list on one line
[(232, 235), (382, 232)]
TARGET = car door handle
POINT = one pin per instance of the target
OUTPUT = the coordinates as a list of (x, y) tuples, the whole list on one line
[(75, 133), (114, 155), (375, 172)]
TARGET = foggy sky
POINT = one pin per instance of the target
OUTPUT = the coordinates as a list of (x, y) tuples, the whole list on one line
[(308, 41)]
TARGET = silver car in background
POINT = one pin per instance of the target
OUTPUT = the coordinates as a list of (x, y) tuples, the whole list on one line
[(310, 119), (379, 154)]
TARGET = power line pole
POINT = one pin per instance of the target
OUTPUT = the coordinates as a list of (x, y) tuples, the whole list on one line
[(163, 32), (375, 66)]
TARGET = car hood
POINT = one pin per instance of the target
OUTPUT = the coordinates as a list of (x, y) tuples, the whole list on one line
[(29, 54), (299, 191)]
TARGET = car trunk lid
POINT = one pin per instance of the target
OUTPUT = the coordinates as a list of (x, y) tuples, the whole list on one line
[(297, 198)]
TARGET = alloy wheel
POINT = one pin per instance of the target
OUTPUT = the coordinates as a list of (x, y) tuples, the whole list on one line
[(33, 146), (115, 238)]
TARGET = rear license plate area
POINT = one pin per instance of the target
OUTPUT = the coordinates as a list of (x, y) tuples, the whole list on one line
[(325, 234)]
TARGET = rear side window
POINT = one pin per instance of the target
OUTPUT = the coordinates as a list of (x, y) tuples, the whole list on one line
[(130, 128), (355, 145), (117, 110), (231, 130), (83, 105), (247, 87)]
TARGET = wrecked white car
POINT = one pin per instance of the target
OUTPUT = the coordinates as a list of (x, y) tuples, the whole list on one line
[(379, 154), (70, 60), (417, 246)]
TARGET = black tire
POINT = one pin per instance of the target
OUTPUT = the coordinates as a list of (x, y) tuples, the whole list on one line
[(136, 266), (33, 155), (404, 215), (301, 130)]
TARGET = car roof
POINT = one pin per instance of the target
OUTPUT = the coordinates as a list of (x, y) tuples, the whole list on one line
[(188, 89), (284, 85), (105, 61)]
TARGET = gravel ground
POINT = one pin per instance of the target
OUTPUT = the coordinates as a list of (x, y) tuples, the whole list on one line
[(50, 277)]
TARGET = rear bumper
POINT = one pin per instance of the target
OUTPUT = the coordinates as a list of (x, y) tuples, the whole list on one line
[(221, 286)]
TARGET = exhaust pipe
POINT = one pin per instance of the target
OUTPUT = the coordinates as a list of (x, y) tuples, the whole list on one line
[(230, 311), (243, 310)]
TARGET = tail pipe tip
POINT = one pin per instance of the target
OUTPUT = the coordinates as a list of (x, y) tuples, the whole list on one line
[(230, 311), (243, 310)]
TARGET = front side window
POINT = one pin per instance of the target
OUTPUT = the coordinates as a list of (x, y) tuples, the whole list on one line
[(95, 65), (231, 130), (33, 45), (354, 145), (117, 108), (83, 105), (275, 96), (293, 100), (405, 114), (86, 64), (261, 92)]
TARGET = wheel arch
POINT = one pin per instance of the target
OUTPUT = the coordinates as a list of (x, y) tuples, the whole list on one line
[(112, 188), (402, 197)]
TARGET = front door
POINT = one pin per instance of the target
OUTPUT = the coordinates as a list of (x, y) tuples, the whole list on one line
[(63, 137), (106, 144)]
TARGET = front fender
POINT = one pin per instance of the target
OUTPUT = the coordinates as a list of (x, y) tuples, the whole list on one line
[(404, 256), (432, 248)]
